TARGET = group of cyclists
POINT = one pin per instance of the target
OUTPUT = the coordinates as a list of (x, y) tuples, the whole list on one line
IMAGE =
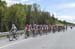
[(35, 29)]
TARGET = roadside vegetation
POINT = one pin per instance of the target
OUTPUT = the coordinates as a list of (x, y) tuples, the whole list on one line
[(20, 15)]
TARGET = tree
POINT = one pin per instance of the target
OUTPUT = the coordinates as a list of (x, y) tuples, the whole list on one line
[(28, 14), (2, 10), (35, 13), (17, 15), (20, 15)]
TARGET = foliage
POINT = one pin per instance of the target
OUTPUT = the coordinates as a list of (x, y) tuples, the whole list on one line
[(20, 15)]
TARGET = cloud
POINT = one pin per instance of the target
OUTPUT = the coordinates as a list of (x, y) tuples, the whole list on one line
[(11, 2), (66, 6), (65, 11), (67, 18)]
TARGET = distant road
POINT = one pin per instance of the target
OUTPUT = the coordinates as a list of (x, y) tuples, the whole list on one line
[(59, 40)]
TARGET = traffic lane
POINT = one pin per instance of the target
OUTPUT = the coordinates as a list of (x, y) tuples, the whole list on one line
[(51, 41), (41, 42), (67, 41)]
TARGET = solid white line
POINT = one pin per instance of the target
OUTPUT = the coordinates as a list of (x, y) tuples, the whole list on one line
[(17, 42)]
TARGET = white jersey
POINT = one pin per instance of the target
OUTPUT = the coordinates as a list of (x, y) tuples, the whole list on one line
[(47, 27), (13, 29)]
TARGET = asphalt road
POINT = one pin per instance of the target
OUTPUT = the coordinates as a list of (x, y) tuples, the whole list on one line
[(59, 40)]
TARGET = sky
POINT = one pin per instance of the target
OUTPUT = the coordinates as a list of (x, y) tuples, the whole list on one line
[(62, 9)]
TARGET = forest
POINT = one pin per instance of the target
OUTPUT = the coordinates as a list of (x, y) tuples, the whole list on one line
[(21, 15)]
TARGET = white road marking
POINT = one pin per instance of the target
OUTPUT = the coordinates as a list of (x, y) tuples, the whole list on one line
[(17, 42)]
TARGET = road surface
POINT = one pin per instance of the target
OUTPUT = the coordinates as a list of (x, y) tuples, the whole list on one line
[(59, 40)]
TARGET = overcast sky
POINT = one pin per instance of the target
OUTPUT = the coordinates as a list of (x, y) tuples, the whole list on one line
[(63, 9)]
